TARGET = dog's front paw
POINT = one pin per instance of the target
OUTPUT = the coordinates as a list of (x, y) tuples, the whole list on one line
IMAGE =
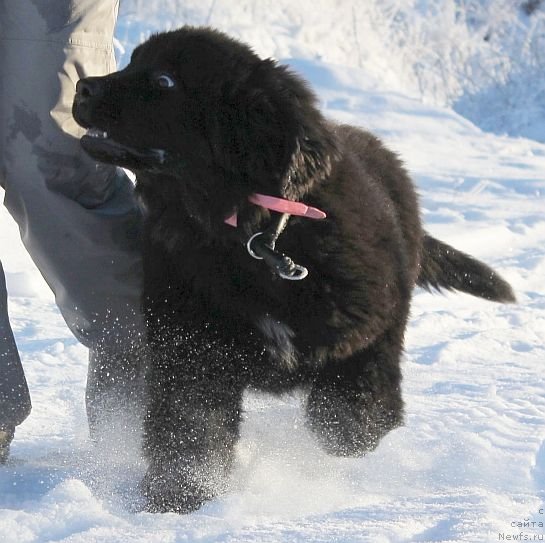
[(164, 493)]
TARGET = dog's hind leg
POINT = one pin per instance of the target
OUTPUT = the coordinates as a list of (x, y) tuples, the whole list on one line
[(192, 425), (354, 402)]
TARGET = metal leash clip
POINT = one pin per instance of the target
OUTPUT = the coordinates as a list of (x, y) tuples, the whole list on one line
[(280, 264)]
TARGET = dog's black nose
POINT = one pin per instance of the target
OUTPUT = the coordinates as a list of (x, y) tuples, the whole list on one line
[(90, 87)]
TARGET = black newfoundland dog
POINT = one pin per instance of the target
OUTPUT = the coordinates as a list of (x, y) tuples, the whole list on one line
[(280, 251)]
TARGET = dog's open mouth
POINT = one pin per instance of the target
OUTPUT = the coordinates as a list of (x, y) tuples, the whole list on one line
[(97, 143)]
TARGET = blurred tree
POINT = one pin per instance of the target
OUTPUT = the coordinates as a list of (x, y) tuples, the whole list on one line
[(530, 6)]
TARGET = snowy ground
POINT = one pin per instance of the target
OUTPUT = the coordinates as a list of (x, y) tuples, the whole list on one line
[(469, 465)]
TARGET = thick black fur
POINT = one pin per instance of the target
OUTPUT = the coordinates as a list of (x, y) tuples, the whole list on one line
[(218, 321)]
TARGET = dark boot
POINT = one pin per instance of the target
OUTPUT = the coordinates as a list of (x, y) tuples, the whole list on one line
[(6, 437)]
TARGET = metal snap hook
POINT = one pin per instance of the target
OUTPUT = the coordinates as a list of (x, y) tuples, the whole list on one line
[(249, 246)]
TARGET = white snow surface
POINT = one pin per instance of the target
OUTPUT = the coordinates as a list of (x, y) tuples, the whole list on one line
[(469, 464)]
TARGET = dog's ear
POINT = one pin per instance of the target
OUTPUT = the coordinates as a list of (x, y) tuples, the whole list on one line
[(278, 138)]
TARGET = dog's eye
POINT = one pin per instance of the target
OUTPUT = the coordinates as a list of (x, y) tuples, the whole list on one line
[(165, 81)]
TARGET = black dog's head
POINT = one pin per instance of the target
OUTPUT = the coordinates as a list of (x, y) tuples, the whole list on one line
[(195, 100)]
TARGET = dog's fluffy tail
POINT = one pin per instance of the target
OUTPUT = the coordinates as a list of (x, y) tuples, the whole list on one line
[(443, 267)]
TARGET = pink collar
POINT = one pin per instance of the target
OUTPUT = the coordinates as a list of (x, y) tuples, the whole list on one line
[(282, 206)]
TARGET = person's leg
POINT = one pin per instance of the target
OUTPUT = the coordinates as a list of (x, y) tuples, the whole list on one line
[(14, 397), (78, 219)]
